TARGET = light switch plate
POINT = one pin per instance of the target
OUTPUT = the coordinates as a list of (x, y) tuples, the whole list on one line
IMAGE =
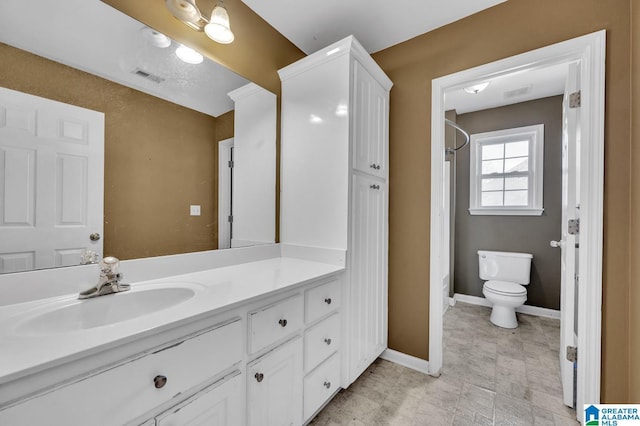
[(195, 210)]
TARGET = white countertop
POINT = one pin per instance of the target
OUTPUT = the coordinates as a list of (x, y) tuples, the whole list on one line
[(23, 354)]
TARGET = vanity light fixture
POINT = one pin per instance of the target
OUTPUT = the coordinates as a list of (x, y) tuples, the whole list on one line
[(156, 38), (217, 27), (476, 88), (188, 55)]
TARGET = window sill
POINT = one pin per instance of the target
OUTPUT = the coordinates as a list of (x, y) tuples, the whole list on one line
[(506, 212)]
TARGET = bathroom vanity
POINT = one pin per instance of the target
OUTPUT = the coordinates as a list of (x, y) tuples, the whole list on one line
[(259, 334)]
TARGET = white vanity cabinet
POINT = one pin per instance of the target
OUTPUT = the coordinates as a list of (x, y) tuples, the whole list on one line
[(334, 174), (273, 359)]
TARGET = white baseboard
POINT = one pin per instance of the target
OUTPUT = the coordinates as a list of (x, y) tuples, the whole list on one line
[(452, 301), (405, 360), (524, 309)]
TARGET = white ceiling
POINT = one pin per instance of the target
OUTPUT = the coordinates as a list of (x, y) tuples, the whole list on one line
[(94, 37), (530, 84), (377, 24)]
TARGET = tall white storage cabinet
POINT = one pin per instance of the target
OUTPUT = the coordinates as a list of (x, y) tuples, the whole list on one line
[(334, 190)]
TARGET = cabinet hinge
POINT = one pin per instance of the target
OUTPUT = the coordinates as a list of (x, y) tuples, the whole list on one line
[(573, 227), (231, 164), (230, 219), (572, 354), (575, 99)]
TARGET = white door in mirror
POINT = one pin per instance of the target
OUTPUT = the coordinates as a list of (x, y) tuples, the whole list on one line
[(53, 167)]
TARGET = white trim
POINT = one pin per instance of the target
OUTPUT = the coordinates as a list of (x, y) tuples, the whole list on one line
[(535, 311), (510, 211), (589, 51), (452, 301), (224, 193), (405, 360)]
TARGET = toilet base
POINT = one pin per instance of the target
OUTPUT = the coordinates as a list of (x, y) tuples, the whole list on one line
[(504, 316)]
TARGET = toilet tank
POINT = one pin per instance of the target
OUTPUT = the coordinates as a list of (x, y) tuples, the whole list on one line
[(505, 266)]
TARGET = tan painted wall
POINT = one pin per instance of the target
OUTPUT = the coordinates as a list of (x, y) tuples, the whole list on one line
[(159, 157), (634, 291), (502, 31)]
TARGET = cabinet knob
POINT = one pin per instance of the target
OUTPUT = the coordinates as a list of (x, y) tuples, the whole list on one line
[(327, 385), (327, 300), (259, 377), (283, 322), (327, 341), (159, 381)]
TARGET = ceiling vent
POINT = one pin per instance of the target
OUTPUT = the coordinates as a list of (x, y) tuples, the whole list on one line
[(148, 76), (518, 92)]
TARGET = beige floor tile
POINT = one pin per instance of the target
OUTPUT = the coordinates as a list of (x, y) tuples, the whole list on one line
[(490, 376)]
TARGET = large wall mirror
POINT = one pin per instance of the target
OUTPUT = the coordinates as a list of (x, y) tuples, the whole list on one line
[(117, 140)]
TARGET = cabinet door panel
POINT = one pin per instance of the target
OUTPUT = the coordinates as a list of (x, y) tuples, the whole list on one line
[(370, 131), (368, 298), (216, 405), (274, 387)]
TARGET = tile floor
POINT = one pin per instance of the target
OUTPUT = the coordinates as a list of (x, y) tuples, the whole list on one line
[(491, 376)]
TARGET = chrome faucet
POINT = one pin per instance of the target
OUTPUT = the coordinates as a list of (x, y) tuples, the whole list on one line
[(109, 282)]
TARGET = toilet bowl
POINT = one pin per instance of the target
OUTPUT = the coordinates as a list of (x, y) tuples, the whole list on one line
[(506, 273), (505, 297)]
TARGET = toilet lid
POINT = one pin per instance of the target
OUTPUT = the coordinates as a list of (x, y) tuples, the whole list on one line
[(505, 287)]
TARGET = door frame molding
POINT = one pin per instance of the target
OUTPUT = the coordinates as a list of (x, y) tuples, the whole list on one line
[(224, 193), (589, 51)]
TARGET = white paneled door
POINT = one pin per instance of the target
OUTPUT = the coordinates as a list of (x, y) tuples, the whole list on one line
[(51, 182), (569, 242), (368, 273)]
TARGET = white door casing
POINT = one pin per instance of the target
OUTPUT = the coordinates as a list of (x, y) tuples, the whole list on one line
[(589, 53), (51, 182), (225, 191)]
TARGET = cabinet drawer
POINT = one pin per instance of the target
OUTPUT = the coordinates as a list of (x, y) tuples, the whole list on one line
[(320, 341), (322, 299), (129, 390), (275, 322), (321, 384)]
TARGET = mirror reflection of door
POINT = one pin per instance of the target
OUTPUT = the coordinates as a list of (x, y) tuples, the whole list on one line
[(225, 193), (51, 182)]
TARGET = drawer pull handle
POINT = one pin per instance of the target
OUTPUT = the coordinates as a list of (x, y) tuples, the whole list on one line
[(259, 377), (283, 322), (327, 341), (159, 381), (374, 186), (327, 300), (327, 385)]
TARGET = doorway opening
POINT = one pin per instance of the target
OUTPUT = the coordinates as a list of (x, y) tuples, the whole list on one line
[(587, 52)]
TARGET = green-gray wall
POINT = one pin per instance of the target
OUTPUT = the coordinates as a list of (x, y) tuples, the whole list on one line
[(528, 234)]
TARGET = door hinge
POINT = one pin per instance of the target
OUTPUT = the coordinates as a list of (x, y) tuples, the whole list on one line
[(230, 219), (575, 99), (572, 354), (573, 227), (231, 164)]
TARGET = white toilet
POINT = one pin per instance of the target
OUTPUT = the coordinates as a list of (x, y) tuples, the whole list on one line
[(506, 273)]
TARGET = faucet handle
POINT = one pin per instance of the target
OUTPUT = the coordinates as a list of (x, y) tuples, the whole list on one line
[(109, 265)]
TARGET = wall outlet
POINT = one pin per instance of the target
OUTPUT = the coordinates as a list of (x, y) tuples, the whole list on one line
[(194, 210)]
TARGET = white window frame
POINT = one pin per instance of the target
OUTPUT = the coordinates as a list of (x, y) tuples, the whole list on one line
[(535, 135)]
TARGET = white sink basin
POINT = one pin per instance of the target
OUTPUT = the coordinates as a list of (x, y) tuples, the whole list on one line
[(75, 315)]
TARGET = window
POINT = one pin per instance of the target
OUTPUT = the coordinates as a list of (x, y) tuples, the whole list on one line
[(506, 169)]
